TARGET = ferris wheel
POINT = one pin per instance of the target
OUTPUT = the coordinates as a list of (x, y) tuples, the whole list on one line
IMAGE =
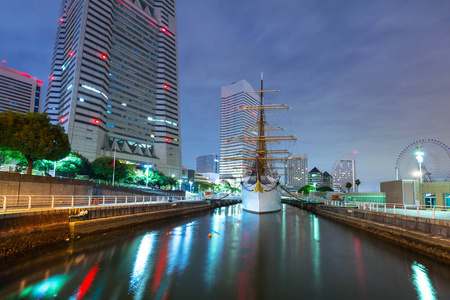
[(426, 159)]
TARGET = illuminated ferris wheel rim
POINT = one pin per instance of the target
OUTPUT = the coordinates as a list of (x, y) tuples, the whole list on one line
[(416, 144)]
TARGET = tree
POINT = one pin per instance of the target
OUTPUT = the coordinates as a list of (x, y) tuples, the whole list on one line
[(306, 189), (357, 182), (348, 185), (74, 163), (324, 189), (34, 136), (103, 167)]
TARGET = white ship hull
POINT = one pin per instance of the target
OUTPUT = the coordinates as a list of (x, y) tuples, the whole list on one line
[(261, 202)]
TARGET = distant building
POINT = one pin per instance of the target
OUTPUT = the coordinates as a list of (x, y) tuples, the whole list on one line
[(18, 91), (344, 170), (296, 170), (412, 192), (208, 164), (234, 124), (187, 178), (319, 179), (315, 178), (327, 179), (212, 177)]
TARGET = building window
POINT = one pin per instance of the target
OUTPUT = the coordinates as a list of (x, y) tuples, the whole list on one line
[(447, 200), (429, 200)]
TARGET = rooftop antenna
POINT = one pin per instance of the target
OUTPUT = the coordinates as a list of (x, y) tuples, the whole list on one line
[(4, 63)]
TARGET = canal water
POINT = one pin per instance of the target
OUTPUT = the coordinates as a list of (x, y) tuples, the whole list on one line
[(287, 255)]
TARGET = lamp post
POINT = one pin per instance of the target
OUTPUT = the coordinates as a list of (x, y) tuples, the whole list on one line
[(190, 186), (419, 157)]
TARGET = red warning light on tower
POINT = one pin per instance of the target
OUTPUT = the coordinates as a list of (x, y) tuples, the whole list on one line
[(97, 121), (103, 56), (167, 139), (166, 86)]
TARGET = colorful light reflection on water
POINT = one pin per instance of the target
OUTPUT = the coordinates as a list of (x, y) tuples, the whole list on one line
[(290, 254)]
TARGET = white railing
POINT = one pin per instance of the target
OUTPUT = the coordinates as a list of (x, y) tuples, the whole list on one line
[(30, 202), (440, 212)]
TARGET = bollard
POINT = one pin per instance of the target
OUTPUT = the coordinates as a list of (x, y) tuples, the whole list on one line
[(53, 202), (4, 203)]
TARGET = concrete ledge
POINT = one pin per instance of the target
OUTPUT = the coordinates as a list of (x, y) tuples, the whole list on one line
[(106, 224), (426, 244)]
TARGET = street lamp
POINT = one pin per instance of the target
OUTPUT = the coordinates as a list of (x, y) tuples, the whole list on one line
[(419, 157), (146, 182), (190, 186)]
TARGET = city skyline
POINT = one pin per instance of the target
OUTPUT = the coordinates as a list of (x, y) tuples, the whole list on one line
[(370, 77)]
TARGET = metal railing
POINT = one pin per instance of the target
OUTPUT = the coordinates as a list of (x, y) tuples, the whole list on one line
[(440, 212), (30, 202)]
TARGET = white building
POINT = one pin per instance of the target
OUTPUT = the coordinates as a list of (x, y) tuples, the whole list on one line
[(18, 91), (232, 124), (296, 170), (114, 81), (344, 170)]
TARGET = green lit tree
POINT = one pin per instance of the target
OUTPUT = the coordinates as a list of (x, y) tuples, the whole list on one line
[(324, 189), (34, 136), (306, 189), (103, 167)]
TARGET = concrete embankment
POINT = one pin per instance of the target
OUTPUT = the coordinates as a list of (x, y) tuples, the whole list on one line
[(426, 236), (25, 233)]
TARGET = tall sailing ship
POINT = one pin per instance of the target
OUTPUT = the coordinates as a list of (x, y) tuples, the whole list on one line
[(261, 189)]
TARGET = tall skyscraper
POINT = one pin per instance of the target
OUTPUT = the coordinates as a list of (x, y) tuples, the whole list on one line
[(344, 170), (208, 163), (114, 81), (18, 91), (234, 124), (296, 170)]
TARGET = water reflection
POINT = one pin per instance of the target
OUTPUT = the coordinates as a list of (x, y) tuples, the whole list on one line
[(422, 283), (290, 254), (140, 267)]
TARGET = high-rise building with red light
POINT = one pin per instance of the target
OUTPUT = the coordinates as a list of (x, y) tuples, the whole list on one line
[(18, 91), (114, 81)]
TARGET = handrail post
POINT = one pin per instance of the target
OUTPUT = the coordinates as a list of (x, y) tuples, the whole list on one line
[(385, 210), (135, 200), (103, 200), (394, 209), (4, 203), (405, 208), (115, 200), (418, 212), (377, 207), (434, 206), (29, 202), (53, 202), (89, 205), (72, 202), (126, 200), (143, 199)]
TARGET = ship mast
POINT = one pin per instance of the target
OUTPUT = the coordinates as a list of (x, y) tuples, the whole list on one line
[(262, 149), (261, 156)]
